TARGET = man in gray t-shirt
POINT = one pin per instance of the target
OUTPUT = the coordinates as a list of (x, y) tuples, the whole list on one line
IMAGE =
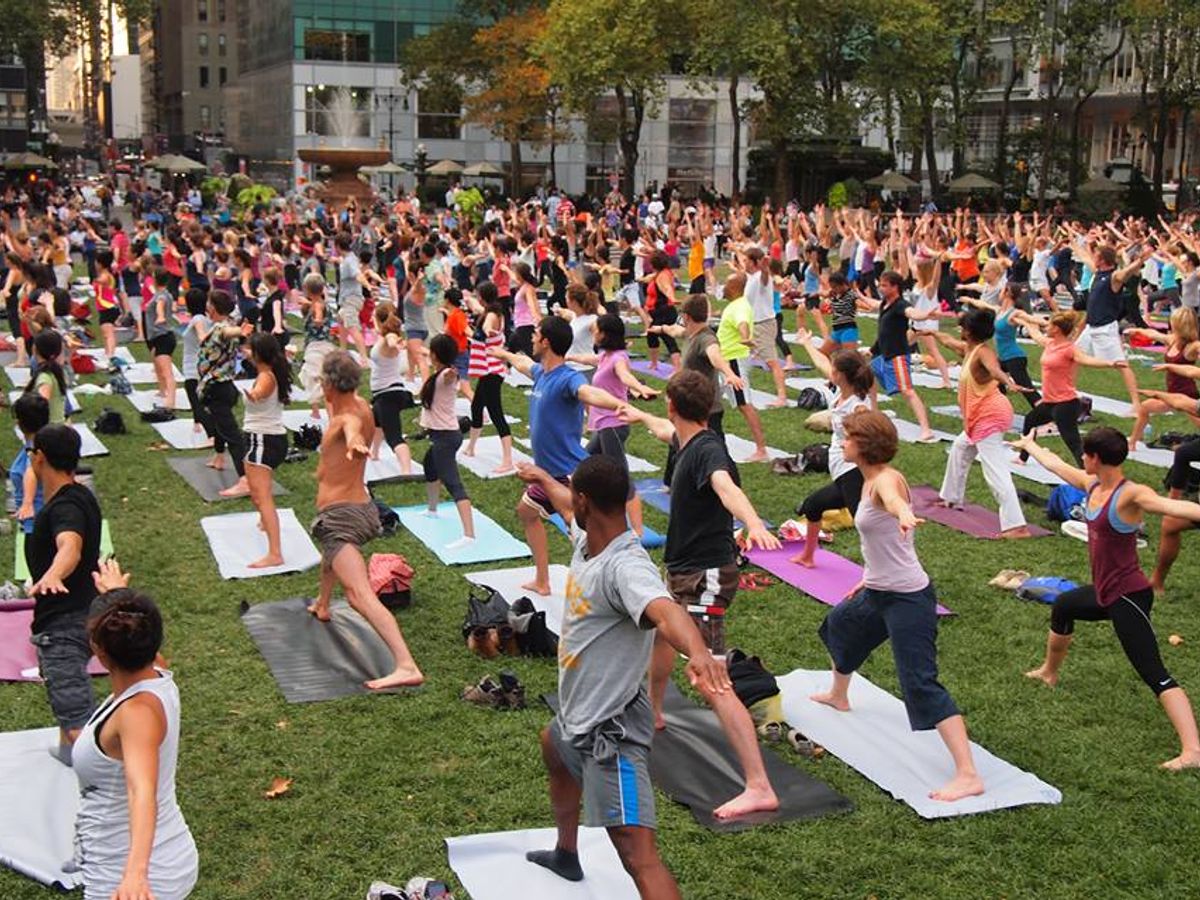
[(597, 748)]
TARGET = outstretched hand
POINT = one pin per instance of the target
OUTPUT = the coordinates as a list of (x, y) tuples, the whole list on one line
[(109, 577), (908, 521), (758, 536), (708, 674), (1025, 443), (529, 473)]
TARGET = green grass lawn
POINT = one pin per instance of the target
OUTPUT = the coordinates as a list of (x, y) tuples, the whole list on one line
[(380, 781)]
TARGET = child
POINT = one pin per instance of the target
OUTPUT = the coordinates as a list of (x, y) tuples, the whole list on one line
[(457, 327), (32, 413), (194, 334), (49, 381), (445, 437), (158, 322), (317, 340)]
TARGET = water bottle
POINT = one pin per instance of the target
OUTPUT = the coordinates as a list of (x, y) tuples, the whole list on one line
[(711, 622)]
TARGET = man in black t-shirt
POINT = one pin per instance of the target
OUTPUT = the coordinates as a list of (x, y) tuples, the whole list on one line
[(62, 554), (701, 560)]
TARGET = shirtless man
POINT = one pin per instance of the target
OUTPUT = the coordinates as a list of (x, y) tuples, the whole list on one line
[(346, 516)]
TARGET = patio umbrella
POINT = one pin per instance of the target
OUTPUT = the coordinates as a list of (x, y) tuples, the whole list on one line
[(445, 167), (1101, 185), (388, 168), (971, 182), (483, 170), (28, 161), (892, 181), (176, 164)]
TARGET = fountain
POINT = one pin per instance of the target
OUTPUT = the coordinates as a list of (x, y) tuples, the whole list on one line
[(344, 161)]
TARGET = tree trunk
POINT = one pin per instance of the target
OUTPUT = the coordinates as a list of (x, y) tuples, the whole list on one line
[(957, 151), (1049, 132), (631, 110), (1161, 123), (1077, 166), (554, 145), (514, 164), (735, 115), (783, 170), (927, 137), (1183, 192), (1000, 170)]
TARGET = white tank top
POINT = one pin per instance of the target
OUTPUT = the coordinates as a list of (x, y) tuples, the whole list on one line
[(264, 416), (102, 827), (386, 373), (838, 466)]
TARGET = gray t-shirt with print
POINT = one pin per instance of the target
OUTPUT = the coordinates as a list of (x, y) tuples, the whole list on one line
[(349, 287), (604, 648)]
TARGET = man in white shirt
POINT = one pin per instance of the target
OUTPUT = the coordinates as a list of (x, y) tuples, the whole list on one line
[(760, 291)]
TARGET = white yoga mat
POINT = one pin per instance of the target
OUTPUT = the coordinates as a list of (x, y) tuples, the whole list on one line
[(517, 379), (236, 541), (1112, 407), (799, 383), (91, 445), (103, 359), (1153, 456), (488, 456), (493, 867), (462, 409), (508, 582), (741, 449), (1032, 470), (72, 401), (181, 434), (875, 739), (932, 378), (145, 401), (492, 543), (295, 419), (39, 798), (637, 465), (143, 373), (760, 400), (18, 375), (386, 468), (910, 431)]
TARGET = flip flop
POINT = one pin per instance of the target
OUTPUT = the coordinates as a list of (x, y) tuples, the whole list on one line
[(1015, 581), (1002, 578)]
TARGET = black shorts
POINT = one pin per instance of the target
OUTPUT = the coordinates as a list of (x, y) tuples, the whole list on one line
[(163, 345), (109, 316), (267, 450), (739, 397)]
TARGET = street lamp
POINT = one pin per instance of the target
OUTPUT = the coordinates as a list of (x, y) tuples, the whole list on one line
[(390, 100), (420, 162)]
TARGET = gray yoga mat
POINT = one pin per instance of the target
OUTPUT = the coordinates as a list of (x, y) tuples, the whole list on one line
[(693, 763), (209, 482), (313, 661)]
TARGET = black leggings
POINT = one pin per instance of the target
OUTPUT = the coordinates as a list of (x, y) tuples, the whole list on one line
[(488, 396), (845, 491), (441, 464), (1130, 616), (1066, 416), (386, 408), (662, 314), (198, 413), (1018, 368), (219, 400), (780, 344), (1182, 476)]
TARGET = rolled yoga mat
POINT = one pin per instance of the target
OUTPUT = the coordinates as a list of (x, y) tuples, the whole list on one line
[(970, 518), (209, 483)]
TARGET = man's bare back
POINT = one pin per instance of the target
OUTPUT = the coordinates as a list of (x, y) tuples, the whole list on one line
[(340, 472)]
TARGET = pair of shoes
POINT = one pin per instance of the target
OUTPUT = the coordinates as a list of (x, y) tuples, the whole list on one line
[(1009, 579), (806, 747), (484, 642), (507, 693), (419, 888)]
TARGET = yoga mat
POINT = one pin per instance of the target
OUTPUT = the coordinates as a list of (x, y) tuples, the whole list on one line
[(209, 483), (910, 431), (236, 541), (90, 446), (143, 373), (21, 570), (1031, 470), (492, 542), (18, 657), (662, 371), (145, 401), (799, 384), (387, 468), (932, 378), (295, 419), (182, 434), (487, 458), (740, 449), (313, 661), (102, 358), (875, 739), (493, 867), (1100, 403), (829, 581), (1153, 456), (651, 539), (18, 375), (760, 400), (508, 583), (39, 799), (516, 379), (636, 463), (654, 493), (970, 518)]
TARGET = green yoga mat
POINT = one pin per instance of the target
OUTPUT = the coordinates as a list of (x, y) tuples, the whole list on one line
[(21, 570)]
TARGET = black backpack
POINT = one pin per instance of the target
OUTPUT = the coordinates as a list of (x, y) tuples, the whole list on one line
[(488, 611), (812, 399), (109, 422), (308, 437), (815, 458)]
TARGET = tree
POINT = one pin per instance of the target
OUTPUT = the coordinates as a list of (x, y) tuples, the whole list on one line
[(1019, 21)]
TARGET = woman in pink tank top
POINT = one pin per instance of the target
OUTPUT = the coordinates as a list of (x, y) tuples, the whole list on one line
[(895, 601), (1119, 592)]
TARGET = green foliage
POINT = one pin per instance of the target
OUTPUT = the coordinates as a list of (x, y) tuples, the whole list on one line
[(838, 196), (212, 187), (248, 198), (471, 203)]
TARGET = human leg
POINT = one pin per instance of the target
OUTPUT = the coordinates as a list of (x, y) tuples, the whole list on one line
[(958, 467), (1169, 541), (929, 345), (815, 505), (259, 478), (1038, 416), (638, 851), (539, 546), (1076, 604), (850, 632), (994, 456), (1148, 408), (566, 796), (1018, 368), (1066, 417)]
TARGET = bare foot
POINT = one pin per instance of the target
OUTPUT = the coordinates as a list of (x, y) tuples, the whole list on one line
[(660, 724), (1017, 533), (757, 456), (470, 451), (927, 437), (241, 489), (504, 470), (267, 562), (1040, 674), (316, 414), (216, 462), (958, 787), (402, 676), (748, 801), (777, 403), (320, 611), (803, 558), (1187, 760), (841, 704), (537, 588)]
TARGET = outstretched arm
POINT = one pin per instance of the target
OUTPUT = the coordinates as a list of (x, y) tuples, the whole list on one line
[(734, 499), (659, 427), (890, 493), (518, 361), (1053, 462)]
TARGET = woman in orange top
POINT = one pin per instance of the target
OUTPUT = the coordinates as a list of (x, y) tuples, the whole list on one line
[(986, 414), (457, 326)]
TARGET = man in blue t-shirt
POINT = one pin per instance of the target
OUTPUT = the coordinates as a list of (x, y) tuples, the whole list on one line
[(556, 409), (32, 413)]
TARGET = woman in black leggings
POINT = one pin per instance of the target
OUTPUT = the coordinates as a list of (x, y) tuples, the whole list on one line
[(488, 335), (389, 397), (1120, 591)]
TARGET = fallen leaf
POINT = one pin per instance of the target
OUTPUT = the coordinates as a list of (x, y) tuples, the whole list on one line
[(282, 724), (279, 787), (1175, 640)]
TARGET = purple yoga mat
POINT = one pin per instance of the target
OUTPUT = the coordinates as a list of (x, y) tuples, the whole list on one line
[(829, 581), (643, 367), (969, 519), (17, 655)]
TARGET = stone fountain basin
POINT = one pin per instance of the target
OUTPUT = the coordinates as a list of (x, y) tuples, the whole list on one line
[(344, 157)]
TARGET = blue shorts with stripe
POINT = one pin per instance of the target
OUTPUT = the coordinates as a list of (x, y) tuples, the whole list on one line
[(611, 765)]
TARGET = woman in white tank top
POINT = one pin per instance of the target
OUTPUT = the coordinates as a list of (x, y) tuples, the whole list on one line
[(130, 835), (389, 396), (924, 297)]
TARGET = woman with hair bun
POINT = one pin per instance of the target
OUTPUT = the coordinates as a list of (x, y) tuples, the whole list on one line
[(132, 840)]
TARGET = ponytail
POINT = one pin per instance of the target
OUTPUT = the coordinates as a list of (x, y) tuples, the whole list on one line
[(49, 346)]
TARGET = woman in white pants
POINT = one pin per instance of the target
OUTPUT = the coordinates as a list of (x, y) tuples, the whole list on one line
[(987, 414)]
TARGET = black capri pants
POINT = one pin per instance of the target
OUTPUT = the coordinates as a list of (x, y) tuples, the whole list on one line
[(844, 491), (386, 407), (193, 395), (1181, 476), (663, 314), (1130, 616), (610, 442), (1066, 416), (1018, 368), (441, 464), (488, 396), (219, 399)]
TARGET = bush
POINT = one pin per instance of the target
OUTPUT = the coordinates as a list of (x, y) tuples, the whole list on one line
[(838, 196)]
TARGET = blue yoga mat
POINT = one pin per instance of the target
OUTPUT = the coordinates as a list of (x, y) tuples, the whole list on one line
[(651, 539), (491, 541), (654, 493)]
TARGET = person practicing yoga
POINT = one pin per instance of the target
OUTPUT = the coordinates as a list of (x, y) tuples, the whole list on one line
[(388, 394), (132, 840), (1012, 358), (895, 600), (217, 366), (62, 552), (1119, 591), (318, 339), (597, 747), (701, 560), (158, 325), (445, 437), (1183, 349), (32, 413), (347, 517), (987, 414), (735, 337), (489, 373), (1061, 357), (556, 408), (853, 379)]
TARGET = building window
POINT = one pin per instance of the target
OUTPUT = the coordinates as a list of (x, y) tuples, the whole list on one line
[(202, 44), (337, 46), (201, 10), (602, 154), (221, 45), (220, 10), (691, 141), (439, 114), (327, 115), (204, 76), (222, 76), (205, 117), (12, 109)]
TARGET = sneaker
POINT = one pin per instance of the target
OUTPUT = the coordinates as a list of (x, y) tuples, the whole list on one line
[(381, 890), (485, 693), (421, 888), (513, 690)]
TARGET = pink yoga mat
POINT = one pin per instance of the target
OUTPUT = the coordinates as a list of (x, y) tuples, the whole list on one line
[(830, 581), (17, 655), (971, 519)]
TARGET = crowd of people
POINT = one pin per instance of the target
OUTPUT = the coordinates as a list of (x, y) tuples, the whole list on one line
[(303, 297)]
